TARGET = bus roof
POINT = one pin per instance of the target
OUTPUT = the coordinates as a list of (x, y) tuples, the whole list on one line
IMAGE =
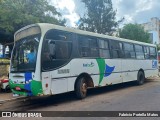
[(47, 26)]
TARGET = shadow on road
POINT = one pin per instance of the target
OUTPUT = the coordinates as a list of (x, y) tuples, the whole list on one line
[(30, 103)]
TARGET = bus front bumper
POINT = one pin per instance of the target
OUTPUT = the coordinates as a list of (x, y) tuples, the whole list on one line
[(33, 88)]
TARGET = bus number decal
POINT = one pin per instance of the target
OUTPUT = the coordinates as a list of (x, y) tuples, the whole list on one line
[(63, 71), (154, 64)]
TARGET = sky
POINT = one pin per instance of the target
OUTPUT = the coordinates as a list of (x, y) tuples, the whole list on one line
[(134, 11)]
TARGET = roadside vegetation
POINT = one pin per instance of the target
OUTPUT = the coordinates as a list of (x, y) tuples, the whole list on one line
[(4, 61)]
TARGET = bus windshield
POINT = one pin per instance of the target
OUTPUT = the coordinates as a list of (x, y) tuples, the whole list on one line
[(25, 54)]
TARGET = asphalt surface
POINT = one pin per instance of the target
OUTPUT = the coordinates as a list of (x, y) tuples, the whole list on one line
[(122, 97)]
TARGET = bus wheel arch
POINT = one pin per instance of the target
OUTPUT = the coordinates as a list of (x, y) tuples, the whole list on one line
[(140, 77), (82, 82)]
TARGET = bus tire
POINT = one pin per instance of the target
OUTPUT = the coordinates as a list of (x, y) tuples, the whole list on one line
[(81, 88), (140, 78)]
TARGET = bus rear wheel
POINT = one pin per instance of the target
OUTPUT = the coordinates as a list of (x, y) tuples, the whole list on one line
[(140, 78), (81, 88)]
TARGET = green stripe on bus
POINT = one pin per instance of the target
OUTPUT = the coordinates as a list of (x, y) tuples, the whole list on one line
[(19, 92), (36, 87), (101, 65)]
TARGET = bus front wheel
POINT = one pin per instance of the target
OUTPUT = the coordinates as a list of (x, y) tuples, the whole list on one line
[(140, 78), (81, 88)]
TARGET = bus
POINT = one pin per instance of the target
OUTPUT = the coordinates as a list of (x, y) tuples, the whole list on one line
[(67, 59)]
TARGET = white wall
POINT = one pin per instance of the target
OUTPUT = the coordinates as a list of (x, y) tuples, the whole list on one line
[(155, 36)]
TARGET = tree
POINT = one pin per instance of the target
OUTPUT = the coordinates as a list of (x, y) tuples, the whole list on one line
[(158, 47), (16, 14), (134, 32), (100, 17)]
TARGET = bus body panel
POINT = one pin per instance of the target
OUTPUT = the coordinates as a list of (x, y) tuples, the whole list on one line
[(97, 68), (56, 80), (58, 87), (46, 83), (151, 73), (66, 76), (132, 67)]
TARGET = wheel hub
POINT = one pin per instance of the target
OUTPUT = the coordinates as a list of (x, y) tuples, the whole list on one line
[(84, 88)]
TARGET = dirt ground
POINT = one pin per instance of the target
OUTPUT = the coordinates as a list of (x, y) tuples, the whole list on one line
[(5, 96)]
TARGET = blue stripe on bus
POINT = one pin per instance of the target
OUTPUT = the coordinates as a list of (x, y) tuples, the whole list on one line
[(108, 71), (27, 86), (28, 76)]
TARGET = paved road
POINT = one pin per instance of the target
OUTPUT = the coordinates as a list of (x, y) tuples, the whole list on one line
[(123, 97)]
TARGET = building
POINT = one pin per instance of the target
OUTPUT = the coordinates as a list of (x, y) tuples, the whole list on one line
[(153, 27), (4, 51)]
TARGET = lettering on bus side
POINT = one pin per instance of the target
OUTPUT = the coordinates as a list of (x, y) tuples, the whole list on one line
[(88, 64), (63, 71)]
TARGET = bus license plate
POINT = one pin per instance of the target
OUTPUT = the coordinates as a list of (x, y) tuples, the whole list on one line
[(18, 88)]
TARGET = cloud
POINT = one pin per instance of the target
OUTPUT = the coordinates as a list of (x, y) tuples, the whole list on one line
[(67, 9), (138, 11), (80, 7)]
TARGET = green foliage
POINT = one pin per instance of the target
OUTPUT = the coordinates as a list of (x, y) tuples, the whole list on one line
[(16, 14), (158, 47), (100, 17), (134, 32), (4, 61)]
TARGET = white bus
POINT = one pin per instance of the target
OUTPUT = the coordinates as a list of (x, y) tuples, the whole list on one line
[(65, 59)]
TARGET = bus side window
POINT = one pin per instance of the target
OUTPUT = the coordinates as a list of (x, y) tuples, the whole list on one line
[(153, 53), (139, 52), (46, 54), (56, 49), (104, 48), (52, 49), (88, 46), (59, 45), (116, 48), (83, 46), (129, 50), (146, 52), (93, 47), (63, 50)]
